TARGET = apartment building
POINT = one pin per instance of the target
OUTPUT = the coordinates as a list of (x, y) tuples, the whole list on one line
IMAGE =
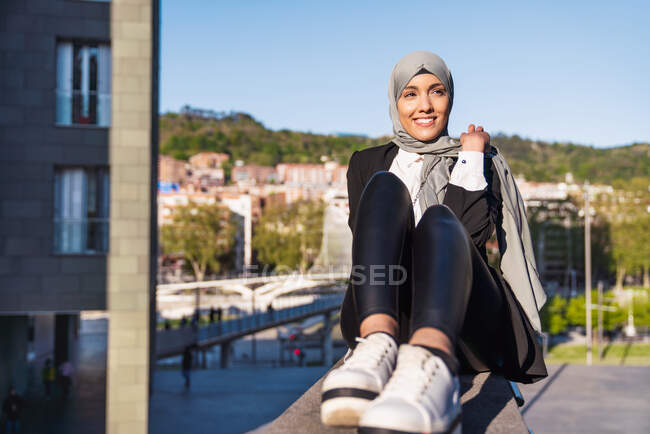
[(78, 133)]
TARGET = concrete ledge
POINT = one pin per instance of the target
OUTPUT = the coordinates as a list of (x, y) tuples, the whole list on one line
[(488, 407)]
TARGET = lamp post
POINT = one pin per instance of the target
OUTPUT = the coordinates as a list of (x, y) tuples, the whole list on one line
[(588, 271)]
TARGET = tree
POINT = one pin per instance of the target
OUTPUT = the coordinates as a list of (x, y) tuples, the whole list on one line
[(553, 315), (204, 234), (290, 235), (631, 249)]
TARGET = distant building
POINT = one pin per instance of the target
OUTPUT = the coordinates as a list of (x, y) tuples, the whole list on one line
[(208, 160), (311, 174), (254, 174), (336, 173), (301, 173), (207, 177), (535, 191), (171, 170)]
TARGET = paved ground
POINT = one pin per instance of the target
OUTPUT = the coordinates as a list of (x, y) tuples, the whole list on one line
[(84, 411), (596, 399), (230, 401), (574, 399)]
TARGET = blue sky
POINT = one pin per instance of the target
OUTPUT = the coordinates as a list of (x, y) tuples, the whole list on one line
[(574, 71)]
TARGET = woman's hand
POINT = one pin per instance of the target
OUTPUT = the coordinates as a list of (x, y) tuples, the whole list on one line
[(475, 139)]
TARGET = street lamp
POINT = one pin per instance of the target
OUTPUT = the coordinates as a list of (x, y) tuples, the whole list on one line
[(588, 271)]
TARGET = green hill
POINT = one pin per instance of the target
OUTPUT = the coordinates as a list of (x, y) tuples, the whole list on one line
[(244, 138)]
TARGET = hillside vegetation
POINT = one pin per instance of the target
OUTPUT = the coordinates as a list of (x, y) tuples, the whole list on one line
[(244, 138)]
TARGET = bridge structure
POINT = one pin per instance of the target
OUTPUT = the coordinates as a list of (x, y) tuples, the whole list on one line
[(266, 303)]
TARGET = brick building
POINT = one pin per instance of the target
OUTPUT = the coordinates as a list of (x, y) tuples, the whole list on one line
[(311, 174), (253, 174), (206, 160), (171, 170)]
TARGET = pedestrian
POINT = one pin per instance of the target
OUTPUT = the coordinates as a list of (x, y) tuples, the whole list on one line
[(65, 372), (423, 207), (168, 325), (212, 314), (183, 321), (48, 374), (219, 314), (187, 366), (11, 408)]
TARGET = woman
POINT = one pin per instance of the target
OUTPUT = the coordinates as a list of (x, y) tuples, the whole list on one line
[(424, 205)]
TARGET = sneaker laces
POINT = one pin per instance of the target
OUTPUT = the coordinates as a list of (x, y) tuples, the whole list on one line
[(366, 353), (412, 375)]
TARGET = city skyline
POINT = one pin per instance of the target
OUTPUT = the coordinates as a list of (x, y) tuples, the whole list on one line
[(553, 72)]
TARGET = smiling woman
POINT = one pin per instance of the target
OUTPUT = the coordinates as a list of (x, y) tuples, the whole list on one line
[(425, 204)]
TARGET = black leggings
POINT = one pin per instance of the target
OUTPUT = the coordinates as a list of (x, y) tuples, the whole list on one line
[(429, 275)]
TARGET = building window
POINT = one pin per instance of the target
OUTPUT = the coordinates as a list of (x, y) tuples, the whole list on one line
[(83, 84), (81, 198)]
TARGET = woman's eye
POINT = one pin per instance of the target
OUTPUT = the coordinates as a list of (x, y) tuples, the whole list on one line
[(409, 94), (438, 91)]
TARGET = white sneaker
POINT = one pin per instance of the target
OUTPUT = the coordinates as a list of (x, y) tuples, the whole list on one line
[(422, 396), (349, 389)]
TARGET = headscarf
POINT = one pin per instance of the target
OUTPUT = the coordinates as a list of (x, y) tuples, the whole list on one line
[(434, 176), (515, 244)]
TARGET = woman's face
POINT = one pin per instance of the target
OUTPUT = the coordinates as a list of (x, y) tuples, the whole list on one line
[(423, 107)]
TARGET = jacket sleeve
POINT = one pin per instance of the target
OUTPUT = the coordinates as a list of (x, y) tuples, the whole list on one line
[(355, 188), (477, 210)]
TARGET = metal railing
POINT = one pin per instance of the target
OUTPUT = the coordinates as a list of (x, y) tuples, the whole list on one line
[(171, 342)]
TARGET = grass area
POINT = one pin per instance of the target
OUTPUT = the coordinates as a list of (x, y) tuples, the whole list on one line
[(628, 354)]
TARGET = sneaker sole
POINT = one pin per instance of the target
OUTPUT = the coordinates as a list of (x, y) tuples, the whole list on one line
[(454, 428), (344, 407)]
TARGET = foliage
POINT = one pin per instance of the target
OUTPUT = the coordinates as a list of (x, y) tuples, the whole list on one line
[(205, 234), (630, 354), (290, 236), (553, 315), (244, 138), (631, 247), (558, 313)]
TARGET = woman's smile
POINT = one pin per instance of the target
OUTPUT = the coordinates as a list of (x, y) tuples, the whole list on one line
[(425, 122)]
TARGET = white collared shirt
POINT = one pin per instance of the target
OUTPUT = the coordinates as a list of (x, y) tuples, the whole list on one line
[(467, 173)]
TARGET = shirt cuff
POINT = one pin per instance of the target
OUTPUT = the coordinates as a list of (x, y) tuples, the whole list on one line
[(468, 171)]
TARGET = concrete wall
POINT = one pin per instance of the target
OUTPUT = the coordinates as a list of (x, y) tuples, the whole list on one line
[(32, 277), (43, 344), (129, 263), (13, 353)]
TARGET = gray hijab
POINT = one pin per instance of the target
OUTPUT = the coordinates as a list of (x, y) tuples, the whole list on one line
[(438, 154), (515, 244)]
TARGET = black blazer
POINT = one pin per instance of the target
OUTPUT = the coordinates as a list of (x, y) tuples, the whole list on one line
[(479, 211)]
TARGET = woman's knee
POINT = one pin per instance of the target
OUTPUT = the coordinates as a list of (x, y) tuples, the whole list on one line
[(387, 186), (385, 192), (438, 224)]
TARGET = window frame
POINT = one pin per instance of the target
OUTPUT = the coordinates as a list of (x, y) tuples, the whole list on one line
[(58, 169), (83, 42)]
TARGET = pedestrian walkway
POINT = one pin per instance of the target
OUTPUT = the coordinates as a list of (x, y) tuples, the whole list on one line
[(84, 410), (589, 399), (235, 400)]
